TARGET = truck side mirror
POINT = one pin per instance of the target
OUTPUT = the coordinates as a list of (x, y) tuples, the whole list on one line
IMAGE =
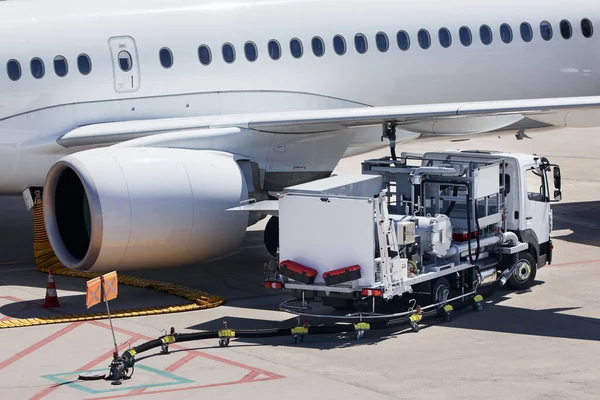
[(557, 195), (556, 175)]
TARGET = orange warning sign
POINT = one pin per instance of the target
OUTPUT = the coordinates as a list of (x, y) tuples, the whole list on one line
[(92, 293), (110, 285)]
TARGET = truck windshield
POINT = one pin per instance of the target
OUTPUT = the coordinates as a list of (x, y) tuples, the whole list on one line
[(536, 189)]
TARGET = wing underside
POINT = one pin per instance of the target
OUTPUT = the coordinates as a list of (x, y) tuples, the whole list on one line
[(428, 119)]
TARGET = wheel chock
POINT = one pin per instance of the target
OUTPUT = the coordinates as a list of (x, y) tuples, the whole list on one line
[(360, 329), (478, 306)]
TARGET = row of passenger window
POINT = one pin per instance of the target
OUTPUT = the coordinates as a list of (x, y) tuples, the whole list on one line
[(84, 64), (402, 39), (38, 69)]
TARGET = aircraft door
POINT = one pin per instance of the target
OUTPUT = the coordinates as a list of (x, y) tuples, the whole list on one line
[(126, 66)]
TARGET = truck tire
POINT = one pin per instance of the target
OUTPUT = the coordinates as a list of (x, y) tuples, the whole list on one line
[(524, 274), (271, 237), (440, 285)]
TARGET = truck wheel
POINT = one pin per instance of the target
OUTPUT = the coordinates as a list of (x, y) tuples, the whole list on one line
[(438, 290), (524, 274), (272, 235)]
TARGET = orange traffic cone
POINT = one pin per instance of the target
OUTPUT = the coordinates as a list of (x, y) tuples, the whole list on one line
[(51, 297)]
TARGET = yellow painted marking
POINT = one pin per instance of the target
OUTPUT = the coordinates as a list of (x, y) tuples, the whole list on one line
[(12, 262)]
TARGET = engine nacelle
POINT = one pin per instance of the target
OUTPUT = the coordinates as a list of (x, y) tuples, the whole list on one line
[(128, 208)]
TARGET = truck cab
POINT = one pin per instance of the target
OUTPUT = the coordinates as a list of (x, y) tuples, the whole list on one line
[(530, 185)]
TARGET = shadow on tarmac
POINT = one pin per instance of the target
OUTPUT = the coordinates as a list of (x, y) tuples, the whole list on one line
[(555, 322), (583, 219)]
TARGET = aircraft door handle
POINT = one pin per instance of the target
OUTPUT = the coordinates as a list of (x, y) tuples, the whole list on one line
[(528, 218)]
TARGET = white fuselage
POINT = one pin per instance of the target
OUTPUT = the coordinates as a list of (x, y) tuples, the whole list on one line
[(34, 113)]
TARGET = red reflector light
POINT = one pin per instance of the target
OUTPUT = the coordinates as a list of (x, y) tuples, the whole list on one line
[(273, 285), (372, 293), (463, 236)]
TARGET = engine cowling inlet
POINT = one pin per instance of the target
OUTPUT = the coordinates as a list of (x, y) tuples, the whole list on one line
[(129, 208)]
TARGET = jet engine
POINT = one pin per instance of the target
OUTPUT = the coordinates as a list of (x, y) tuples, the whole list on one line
[(128, 208)]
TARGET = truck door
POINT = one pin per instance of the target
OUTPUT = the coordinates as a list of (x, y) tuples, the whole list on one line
[(537, 205), (126, 67)]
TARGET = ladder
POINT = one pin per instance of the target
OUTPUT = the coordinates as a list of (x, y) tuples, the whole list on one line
[(388, 244)]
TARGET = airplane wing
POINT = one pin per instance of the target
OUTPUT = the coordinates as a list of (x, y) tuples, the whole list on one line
[(428, 119)]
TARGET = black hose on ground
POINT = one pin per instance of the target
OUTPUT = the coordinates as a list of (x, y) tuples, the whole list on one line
[(127, 360)]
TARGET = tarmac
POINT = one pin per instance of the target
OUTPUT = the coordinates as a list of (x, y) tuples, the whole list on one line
[(543, 343)]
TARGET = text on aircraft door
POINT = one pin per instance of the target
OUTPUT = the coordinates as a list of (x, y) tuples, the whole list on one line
[(126, 67)]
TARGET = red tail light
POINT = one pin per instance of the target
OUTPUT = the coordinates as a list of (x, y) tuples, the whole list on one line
[(273, 285), (372, 293), (463, 236)]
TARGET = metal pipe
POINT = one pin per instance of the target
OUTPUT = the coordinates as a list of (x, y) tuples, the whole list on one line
[(505, 238), (454, 170)]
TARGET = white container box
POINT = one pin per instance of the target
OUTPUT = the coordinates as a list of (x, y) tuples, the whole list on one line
[(326, 232)]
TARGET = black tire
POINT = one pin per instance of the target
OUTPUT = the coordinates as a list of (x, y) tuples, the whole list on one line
[(271, 237), (524, 274), (437, 290)]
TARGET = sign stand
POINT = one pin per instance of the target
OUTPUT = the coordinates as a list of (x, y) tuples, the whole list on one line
[(110, 287), (116, 354)]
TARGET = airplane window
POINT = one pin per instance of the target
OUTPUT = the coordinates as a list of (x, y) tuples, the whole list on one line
[(403, 40), (586, 28), (84, 64), (339, 45), (204, 55), (228, 53), (485, 33), (360, 43), (465, 36), (526, 32), (383, 44), (13, 69), (546, 30), (296, 48), (251, 51), (565, 29), (505, 33), (60, 66), (37, 68), (424, 39), (166, 57), (318, 47), (125, 61), (274, 49), (445, 38)]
